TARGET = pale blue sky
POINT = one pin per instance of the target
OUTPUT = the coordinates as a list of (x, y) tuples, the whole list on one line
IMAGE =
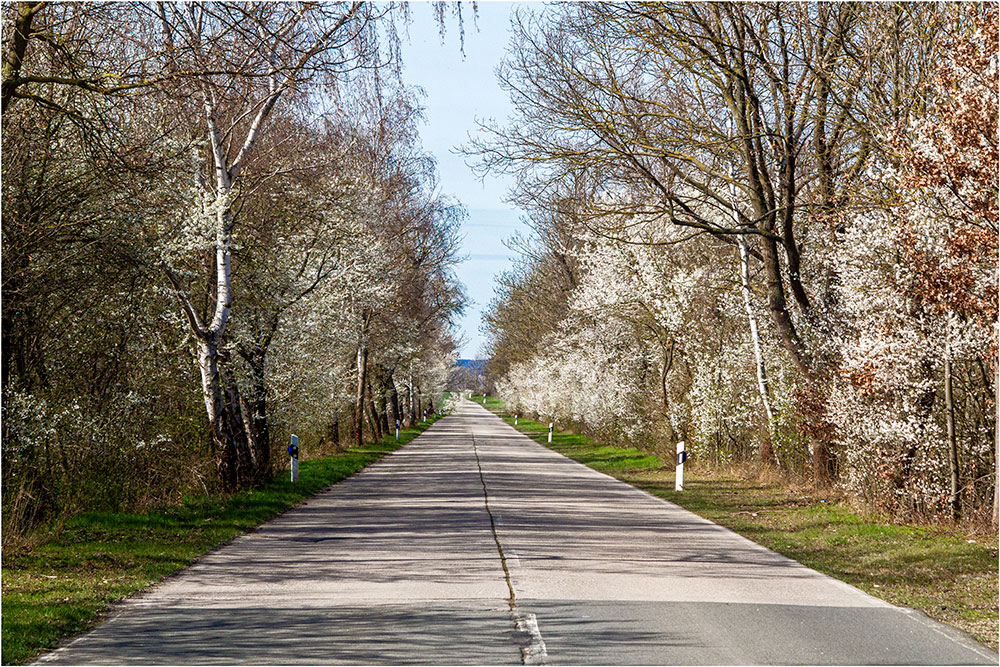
[(459, 91)]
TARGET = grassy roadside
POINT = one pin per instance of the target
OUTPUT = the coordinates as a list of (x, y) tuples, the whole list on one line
[(950, 575), (67, 582)]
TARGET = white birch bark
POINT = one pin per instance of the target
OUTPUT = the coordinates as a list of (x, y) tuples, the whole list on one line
[(188, 21), (763, 387), (762, 382)]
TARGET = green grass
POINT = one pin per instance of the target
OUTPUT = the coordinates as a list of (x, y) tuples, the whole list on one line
[(948, 573), (492, 403), (66, 583)]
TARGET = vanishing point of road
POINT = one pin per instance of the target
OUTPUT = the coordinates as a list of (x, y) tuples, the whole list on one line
[(475, 545)]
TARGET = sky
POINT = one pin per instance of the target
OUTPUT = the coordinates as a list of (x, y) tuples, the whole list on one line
[(458, 92)]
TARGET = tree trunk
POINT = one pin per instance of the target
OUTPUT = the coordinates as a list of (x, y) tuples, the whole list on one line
[(821, 459), (260, 434), (373, 417), (765, 209), (359, 402), (246, 458), (225, 420), (411, 408), (414, 401), (383, 402), (812, 404), (766, 450), (228, 431), (397, 416), (925, 410), (13, 57), (949, 406), (996, 443), (8, 349), (333, 430), (996, 426)]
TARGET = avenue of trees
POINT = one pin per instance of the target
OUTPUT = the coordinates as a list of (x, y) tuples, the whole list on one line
[(768, 230), (219, 227)]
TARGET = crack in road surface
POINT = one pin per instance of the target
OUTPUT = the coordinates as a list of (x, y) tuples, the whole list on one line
[(527, 625)]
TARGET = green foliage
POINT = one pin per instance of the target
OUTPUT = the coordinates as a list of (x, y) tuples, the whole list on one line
[(492, 402), (64, 584)]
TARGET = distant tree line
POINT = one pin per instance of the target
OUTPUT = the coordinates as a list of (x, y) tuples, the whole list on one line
[(469, 375)]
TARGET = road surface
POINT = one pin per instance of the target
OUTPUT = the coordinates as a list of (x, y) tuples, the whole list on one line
[(474, 545)]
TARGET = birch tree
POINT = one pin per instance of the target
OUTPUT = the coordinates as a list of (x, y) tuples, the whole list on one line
[(253, 57)]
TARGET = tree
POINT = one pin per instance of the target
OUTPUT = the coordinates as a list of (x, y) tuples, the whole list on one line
[(212, 144), (953, 159), (639, 98), (251, 58)]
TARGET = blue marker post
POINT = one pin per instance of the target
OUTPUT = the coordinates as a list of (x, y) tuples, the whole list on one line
[(293, 451)]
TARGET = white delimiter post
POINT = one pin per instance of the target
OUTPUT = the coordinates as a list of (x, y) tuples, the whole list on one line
[(515, 420), (681, 458), (294, 451), (484, 399), (550, 431)]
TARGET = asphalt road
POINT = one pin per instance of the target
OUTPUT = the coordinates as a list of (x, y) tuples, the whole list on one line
[(474, 545)]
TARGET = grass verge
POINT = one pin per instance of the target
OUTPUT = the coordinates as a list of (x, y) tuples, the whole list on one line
[(66, 583), (949, 574)]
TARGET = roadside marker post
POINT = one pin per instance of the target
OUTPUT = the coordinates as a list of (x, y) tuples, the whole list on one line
[(484, 399), (397, 430), (425, 415), (681, 458), (550, 431), (515, 420), (293, 451)]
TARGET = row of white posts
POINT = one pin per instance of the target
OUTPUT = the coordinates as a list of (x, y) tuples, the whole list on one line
[(681, 459), (293, 451)]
